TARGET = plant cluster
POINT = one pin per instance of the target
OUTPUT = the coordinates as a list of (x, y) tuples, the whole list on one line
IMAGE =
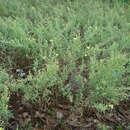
[(78, 50)]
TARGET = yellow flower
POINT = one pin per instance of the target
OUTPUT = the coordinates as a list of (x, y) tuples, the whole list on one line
[(51, 40), (87, 47), (75, 38), (111, 106), (57, 54)]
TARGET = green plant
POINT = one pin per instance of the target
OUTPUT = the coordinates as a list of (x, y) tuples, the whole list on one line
[(103, 127), (72, 50), (4, 98), (106, 80)]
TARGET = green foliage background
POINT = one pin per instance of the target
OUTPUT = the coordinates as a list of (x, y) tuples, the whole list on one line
[(79, 50)]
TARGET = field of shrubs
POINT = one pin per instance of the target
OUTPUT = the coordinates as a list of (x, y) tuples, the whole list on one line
[(64, 64)]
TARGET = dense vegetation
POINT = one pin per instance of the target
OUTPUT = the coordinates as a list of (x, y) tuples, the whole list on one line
[(54, 51)]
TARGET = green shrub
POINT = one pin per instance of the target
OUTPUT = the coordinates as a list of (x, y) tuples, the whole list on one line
[(72, 50), (4, 98), (106, 79)]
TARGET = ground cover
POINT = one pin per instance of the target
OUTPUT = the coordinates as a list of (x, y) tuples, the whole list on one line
[(64, 64)]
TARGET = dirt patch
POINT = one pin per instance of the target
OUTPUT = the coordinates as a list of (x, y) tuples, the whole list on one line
[(60, 116), (17, 65)]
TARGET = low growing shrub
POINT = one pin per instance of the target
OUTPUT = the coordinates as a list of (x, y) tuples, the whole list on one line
[(106, 80), (4, 98)]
